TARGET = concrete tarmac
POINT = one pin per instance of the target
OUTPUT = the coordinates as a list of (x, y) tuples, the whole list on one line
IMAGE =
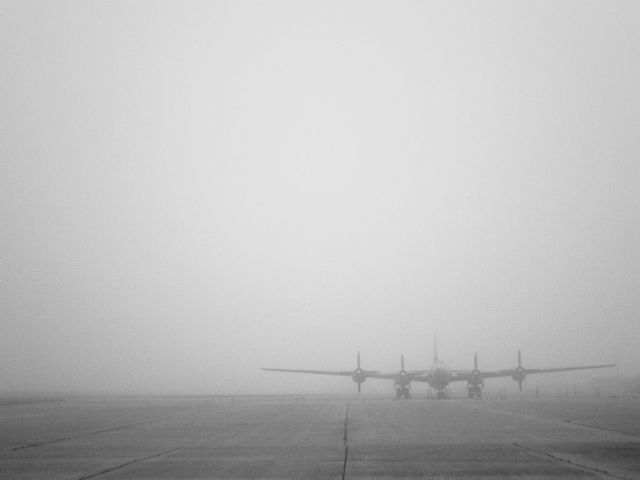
[(307, 437)]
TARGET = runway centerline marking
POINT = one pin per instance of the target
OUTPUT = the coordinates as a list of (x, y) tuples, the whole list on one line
[(126, 464)]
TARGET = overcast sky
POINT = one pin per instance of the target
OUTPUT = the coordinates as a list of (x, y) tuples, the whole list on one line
[(192, 190)]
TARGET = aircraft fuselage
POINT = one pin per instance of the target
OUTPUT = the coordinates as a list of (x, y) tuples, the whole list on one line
[(439, 376)]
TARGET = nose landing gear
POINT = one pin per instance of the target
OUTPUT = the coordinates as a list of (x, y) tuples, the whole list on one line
[(402, 392), (475, 391)]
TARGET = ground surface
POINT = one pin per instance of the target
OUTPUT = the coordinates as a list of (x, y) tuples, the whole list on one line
[(319, 437)]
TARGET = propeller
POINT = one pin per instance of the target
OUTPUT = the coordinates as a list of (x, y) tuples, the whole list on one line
[(403, 378), (519, 374), (359, 375), (520, 368), (475, 377), (358, 369)]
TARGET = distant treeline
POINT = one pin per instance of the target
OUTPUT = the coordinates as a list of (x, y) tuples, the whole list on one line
[(22, 399)]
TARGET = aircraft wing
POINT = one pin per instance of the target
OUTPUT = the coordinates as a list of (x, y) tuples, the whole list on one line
[(531, 371), (346, 373), (388, 376), (414, 376), (461, 375)]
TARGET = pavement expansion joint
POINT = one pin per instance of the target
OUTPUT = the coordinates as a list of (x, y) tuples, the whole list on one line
[(565, 461), (345, 440), (597, 427), (131, 462), (529, 417), (71, 437)]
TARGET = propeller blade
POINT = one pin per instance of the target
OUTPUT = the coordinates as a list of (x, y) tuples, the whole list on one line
[(401, 362), (519, 359), (520, 384), (475, 361), (358, 362), (359, 384)]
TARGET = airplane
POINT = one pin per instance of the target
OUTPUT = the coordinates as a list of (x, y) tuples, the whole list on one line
[(440, 375)]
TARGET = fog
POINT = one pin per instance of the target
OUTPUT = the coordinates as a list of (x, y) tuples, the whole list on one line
[(190, 191)]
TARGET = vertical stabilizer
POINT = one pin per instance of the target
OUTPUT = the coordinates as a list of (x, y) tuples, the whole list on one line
[(519, 359), (435, 348)]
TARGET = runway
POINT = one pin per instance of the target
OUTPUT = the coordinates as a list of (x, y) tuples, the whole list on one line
[(307, 437)]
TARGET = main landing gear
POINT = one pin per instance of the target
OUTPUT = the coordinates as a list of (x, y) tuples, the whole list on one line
[(475, 391), (402, 392)]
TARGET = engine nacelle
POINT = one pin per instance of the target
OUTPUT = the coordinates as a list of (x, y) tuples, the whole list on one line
[(359, 376), (519, 374)]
